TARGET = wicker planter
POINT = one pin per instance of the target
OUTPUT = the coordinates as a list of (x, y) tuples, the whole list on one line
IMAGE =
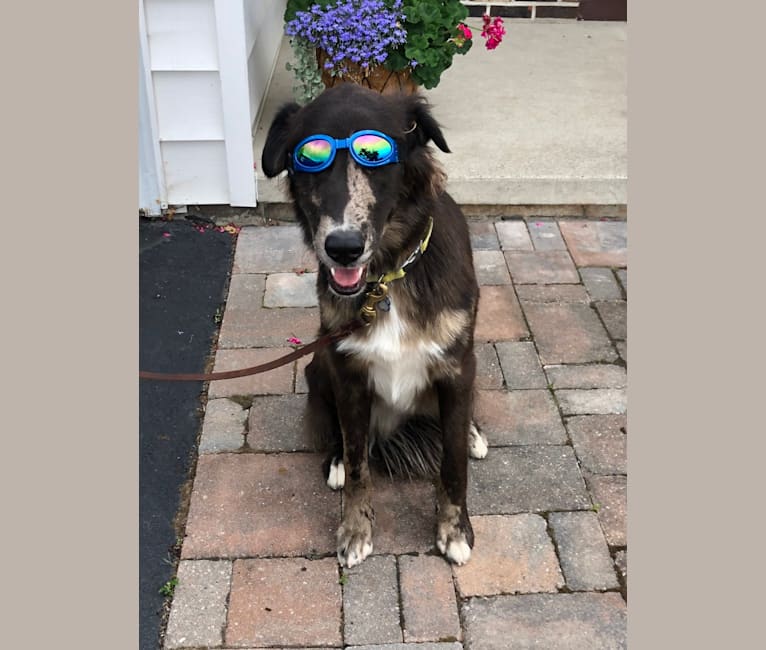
[(378, 78)]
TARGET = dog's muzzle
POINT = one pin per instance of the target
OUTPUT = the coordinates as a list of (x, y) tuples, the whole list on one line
[(346, 247)]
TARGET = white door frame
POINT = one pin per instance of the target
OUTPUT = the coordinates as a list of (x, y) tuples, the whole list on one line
[(235, 95)]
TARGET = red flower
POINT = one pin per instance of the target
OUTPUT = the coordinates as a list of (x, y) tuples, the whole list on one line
[(493, 31), (465, 30)]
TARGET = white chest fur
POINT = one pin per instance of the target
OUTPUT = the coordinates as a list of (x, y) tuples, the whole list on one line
[(399, 361)]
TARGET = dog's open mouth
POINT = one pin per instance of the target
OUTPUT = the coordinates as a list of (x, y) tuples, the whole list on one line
[(348, 281)]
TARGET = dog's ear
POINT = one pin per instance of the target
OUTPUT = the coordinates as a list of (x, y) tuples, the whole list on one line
[(422, 127), (274, 156)]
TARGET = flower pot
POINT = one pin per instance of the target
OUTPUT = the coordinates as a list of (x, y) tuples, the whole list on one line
[(377, 78)]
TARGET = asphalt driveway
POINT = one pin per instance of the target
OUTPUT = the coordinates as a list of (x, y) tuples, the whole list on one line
[(184, 269)]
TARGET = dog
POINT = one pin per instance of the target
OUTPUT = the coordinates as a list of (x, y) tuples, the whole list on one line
[(370, 199)]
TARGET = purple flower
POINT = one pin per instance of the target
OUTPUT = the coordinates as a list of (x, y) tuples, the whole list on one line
[(359, 30)]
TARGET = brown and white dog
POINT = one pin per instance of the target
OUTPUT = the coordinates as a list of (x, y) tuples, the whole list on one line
[(401, 388)]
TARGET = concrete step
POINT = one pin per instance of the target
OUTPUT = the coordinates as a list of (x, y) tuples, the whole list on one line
[(540, 121)]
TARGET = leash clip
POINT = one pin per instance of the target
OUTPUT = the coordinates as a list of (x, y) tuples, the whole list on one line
[(376, 295)]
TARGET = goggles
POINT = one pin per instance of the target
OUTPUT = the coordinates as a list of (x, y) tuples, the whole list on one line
[(368, 148)]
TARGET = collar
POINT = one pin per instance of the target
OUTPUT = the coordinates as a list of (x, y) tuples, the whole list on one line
[(414, 257), (379, 291)]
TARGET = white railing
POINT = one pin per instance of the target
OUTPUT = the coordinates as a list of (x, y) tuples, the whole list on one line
[(519, 3)]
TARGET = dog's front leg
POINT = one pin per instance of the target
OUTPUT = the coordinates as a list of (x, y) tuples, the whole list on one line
[(354, 535), (454, 535)]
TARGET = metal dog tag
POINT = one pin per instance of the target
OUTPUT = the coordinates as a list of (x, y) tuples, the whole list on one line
[(385, 304)]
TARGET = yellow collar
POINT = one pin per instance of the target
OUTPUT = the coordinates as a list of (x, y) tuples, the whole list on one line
[(379, 291), (414, 257)]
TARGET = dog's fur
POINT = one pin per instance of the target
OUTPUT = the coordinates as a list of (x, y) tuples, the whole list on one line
[(402, 388)]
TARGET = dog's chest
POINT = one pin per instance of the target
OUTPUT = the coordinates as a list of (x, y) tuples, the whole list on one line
[(398, 360)]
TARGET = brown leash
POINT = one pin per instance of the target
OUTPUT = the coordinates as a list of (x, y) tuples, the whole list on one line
[(321, 342)]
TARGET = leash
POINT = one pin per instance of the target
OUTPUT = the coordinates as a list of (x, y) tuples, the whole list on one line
[(332, 337), (367, 314)]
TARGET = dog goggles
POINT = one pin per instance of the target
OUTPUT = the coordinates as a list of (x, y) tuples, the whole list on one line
[(368, 148)]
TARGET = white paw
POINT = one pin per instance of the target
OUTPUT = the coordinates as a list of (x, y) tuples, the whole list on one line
[(477, 443), (336, 477), (355, 554), (455, 549), (353, 548), (458, 552)]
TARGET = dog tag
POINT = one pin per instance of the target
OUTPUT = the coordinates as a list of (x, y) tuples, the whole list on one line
[(385, 304)]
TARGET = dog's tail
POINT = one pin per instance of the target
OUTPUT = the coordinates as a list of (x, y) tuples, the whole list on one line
[(414, 450)]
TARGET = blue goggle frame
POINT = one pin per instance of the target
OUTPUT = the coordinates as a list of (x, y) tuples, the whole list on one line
[(323, 158)]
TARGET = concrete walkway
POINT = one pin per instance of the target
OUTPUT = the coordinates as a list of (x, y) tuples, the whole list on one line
[(548, 504), (541, 120)]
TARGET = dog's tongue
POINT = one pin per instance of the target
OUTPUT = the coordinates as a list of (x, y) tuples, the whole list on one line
[(347, 278)]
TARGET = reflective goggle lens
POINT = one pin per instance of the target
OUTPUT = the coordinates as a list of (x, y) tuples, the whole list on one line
[(368, 148), (371, 148), (314, 153)]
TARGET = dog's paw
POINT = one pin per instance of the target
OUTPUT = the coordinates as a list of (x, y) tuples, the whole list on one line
[(354, 542), (454, 535), (336, 474), (456, 549), (477, 443)]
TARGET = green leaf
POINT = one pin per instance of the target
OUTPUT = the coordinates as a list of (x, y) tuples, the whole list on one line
[(169, 587), (396, 61)]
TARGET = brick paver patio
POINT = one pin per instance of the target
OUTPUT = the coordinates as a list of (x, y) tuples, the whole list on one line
[(549, 568)]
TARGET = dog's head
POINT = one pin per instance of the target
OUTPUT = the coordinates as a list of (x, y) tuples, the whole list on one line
[(346, 206)]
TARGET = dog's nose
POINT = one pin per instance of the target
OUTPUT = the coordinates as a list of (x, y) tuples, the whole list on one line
[(344, 246)]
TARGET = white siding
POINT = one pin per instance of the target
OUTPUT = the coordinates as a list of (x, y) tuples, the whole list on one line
[(182, 34), (152, 197), (196, 172), (179, 118), (208, 64)]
